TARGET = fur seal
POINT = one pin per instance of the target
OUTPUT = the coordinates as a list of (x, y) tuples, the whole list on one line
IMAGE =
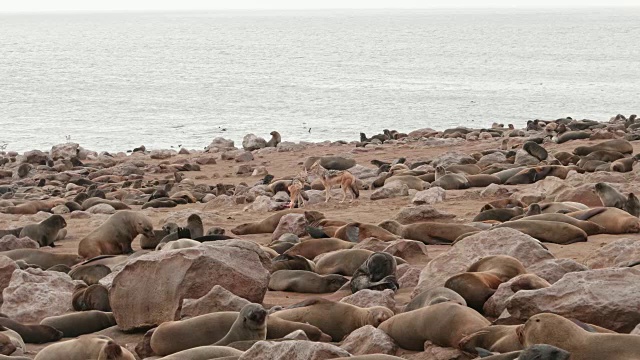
[(15, 232), (206, 353), (603, 155), (535, 150), (444, 324), (430, 233), (151, 243), (572, 135), (46, 231), (85, 347), (267, 225), (475, 287), (558, 331), (90, 274), (611, 197), (624, 165), (614, 220), (314, 247), (356, 232), (548, 231), (251, 324), (194, 224), (586, 226), (34, 334), (529, 175), (160, 203), (41, 258), (115, 235), (565, 206), (173, 336), (292, 262), (93, 201), (344, 262), (412, 182), (616, 145), (495, 338), (80, 323), (483, 180), (330, 162), (177, 244), (449, 181), (434, 296), (501, 204), (303, 281), (275, 139), (33, 207), (378, 272), (334, 318), (92, 297), (500, 214)]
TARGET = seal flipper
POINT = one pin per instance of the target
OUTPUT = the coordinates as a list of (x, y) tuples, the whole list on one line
[(353, 233), (483, 352), (316, 233), (590, 213)]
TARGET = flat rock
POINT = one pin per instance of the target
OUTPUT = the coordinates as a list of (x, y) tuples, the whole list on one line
[(603, 297), (452, 158), (619, 253), (369, 340), (430, 196), (502, 241), (245, 156), (293, 350), (420, 213), (35, 294), (367, 298), (162, 154), (585, 194), (218, 299), (239, 266)]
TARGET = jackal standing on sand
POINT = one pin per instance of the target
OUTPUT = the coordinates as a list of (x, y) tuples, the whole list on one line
[(334, 177), (296, 189)]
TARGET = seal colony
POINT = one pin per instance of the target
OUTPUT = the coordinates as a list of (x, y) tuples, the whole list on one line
[(229, 253)]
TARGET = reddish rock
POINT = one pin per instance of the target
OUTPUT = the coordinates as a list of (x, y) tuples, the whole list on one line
[(238, 266), (603, 297), (293, 350), (372, 244), (497, 303), (430, 196), (291, 223), (554, 269), (412, 214), (7, 267), (409, 250), (585, 194), (501, 241), (368, 298), (619, 253), (390, 190), (407, 275), (35, 294), (10, 242), (369, 340), (64, 151), (218, 299)]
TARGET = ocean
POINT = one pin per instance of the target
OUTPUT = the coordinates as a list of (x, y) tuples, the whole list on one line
[(119, 80)]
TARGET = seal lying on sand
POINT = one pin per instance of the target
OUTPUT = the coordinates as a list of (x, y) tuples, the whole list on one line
[(85, 347), (115, 235)]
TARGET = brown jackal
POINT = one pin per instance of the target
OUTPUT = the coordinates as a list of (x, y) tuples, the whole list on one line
[(336, 177), (296, 189)]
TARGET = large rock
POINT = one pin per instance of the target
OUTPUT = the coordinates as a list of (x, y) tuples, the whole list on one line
[(251, 142), (291, 223), (585, 194), (603, 297), (369, 340), (420, 213), (101, 209), (502, 241), (452, 158), (7, 267), (390, 190), (493, 190), (523, 158), (619, 253), (497, 303), (293, 350), (35, 294), (430, 196), (219, 144), (363, 172), (149, 289), (244, 157), (35, 157), (65, 151), (490, 159), (264, 204), (368, 298), (162, 154), (410, 250), (218, 299), (553, 270), (10, 242)]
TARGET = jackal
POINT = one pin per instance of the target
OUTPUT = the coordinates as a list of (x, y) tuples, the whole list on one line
[(334, 177), (296, 189)]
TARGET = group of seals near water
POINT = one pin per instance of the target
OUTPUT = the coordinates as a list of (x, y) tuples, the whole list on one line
[(342, 267)]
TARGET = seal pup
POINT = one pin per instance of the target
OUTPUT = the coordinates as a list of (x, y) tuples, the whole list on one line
[(558, 331), (115, 235), (611, 197), (434, 296), (194, 224), (444, 324), (85, 347), (356, 232), (495, 338), (303, 281), (334, 318), (251, 324), (378, 272), (46, 231), (92, 297), (344, 262), (267, 225)]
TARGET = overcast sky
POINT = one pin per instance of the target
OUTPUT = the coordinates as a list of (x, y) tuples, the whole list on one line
[(137, 5)]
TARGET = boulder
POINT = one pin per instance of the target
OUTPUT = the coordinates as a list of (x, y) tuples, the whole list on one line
[(410, 250), (390, 190), (218, 299), (363, 172), (219, 144), (65, 151), (264, 204), (502, 241), (553, 270), (603, 297), (10, 242), (452, 158), (161, 154), (585, 194), (368, 298), (408, 275), (245, 156), (416, 134), (244, 169), (430, 196), (529, 196), (34, 294), (523, 158), (239, 266), (369, 340), (421, 213), (490, 159), (251, 142), (7, 267), (217, 203), (291, 223), (293, 350), (497, 303), (206, 160), (101, 209), (260, 171), (494, 190), (619, 253), (35, 157), (60, 210), (288, 146)]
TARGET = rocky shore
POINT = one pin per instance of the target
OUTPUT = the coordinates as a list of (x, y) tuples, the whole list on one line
[(453, 246)]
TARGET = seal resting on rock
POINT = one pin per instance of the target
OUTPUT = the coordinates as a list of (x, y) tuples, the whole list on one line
[(334, 318), (267, 225), (115, 235), (80, 323)]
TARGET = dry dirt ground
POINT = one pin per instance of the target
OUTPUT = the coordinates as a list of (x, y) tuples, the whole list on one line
[(463, 203)]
